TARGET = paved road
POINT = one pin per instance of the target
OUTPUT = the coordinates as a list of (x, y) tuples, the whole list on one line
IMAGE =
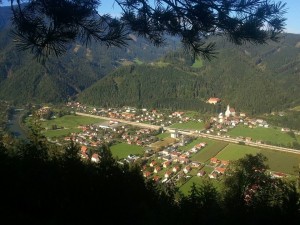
[(215, 137), (143, 125)]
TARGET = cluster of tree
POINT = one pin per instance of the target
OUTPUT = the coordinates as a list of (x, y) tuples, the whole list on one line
[(46, 184), (290, 120)]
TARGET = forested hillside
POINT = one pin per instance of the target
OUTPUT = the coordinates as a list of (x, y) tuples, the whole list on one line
[(252, 78), (23, 79), (256, 79)]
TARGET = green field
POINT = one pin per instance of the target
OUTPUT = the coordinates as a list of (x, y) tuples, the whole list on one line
[(122, 150), (277, 161), (60, 133), (191, 125), (272, 135), (69, 123), (163, 135), (213, 148), (234, 152), (282, 161), (186, 188)]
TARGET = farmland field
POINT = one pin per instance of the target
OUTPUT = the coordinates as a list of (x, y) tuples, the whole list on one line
[(186, 188), (272, 135), (69, 123), (191, 125), (282, 161), (277, 161), (122, 150), (60, 132), (234, 152), (213, 148)]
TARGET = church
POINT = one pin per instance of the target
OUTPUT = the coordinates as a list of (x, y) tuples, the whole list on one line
[(229, 112)]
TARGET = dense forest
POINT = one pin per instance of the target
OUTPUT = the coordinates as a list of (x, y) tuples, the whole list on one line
[(24, 79), (255, 79), (45, 184), (170, 86)]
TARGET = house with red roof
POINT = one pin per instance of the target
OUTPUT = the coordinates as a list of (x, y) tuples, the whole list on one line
[(166, 164), (220, 170), (176, 169), (213, 100), (147, 174), (214, 160), (168, 174), (153, 163), (83, 149), (95, 158), (157, 169), (187, 169)]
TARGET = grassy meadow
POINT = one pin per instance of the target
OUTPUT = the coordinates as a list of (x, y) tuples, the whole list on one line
[(277, 161), (191, 125), (69, 123), (122, 150), (272, 135), (235, 152), (211, 150)]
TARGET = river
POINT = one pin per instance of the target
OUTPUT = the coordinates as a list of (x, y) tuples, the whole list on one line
[(14, 125)]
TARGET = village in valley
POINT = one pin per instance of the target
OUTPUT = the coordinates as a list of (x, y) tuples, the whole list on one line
[(177, 147)]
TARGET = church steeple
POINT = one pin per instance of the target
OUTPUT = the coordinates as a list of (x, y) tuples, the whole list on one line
[(228, 113)]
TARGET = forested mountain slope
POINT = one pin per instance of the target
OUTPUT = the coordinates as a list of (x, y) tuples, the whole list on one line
[(23, 79), (256, 79)]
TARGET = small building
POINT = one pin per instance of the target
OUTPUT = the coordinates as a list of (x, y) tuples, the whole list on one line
[(213, 175), (153, 163), (168, 174), (220, 170), (214, 160), (278, 175), (83, 149), (201, 173), (187, 169), (175, 169), (174, 133), (95, 158), (157, 169), (147, 174), (166, 164), (213, 100)]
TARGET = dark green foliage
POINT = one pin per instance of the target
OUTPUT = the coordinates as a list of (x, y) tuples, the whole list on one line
[(23, 79), (40, 188), (64, 190), (256, 196), (246, 77), (291, 120), (148, 86)]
